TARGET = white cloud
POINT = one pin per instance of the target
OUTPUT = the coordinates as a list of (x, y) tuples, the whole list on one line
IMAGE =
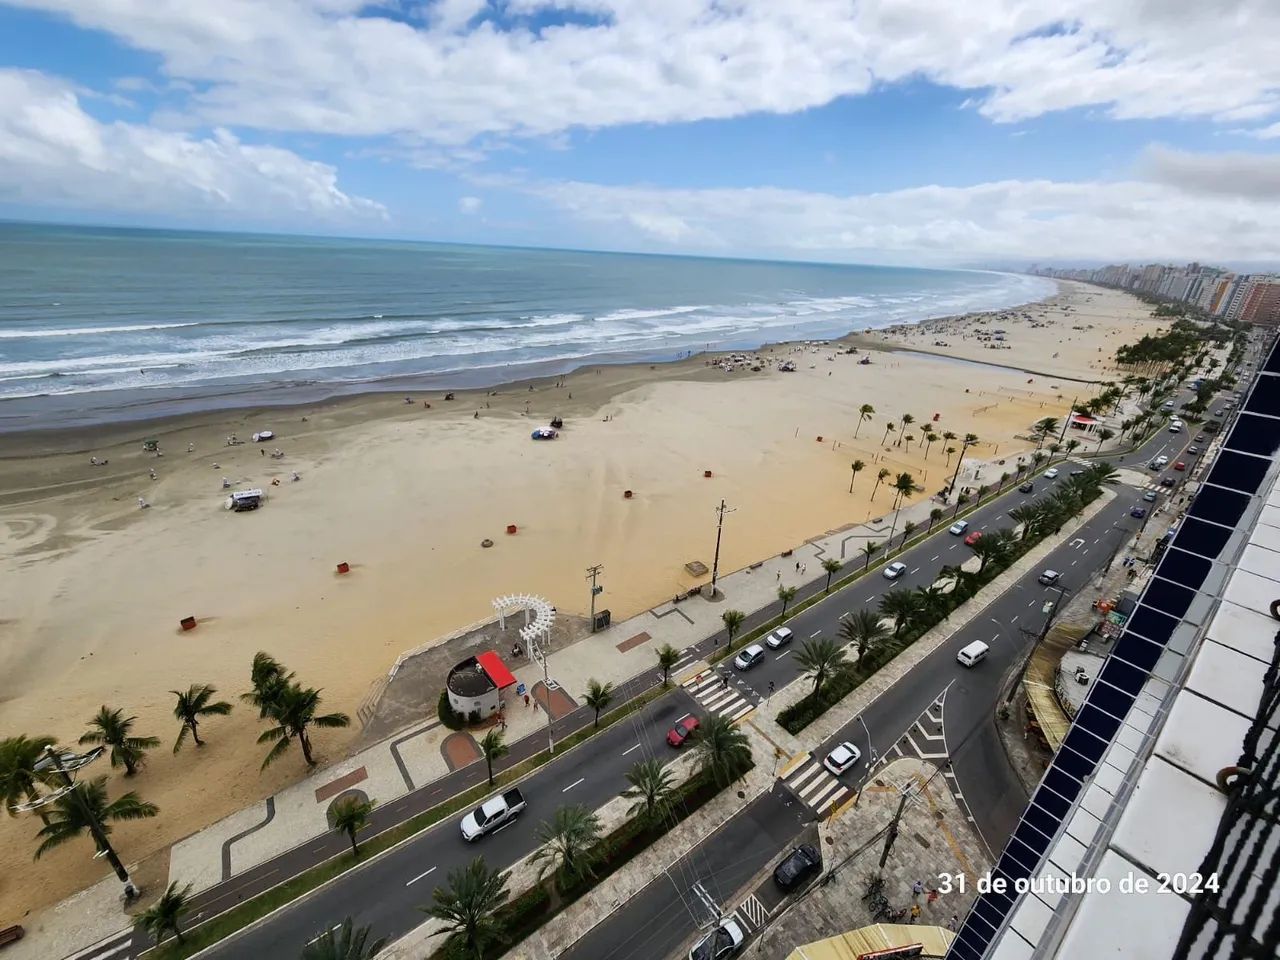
[(451, 74), (54, 153), (469, 204), (1175, 210)]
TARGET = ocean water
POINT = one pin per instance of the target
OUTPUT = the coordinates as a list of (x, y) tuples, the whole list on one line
[(102, 323)]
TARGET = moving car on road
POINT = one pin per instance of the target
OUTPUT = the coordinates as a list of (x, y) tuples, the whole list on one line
[(1049, 577), (894, 570), (1180, 465), (843, 757), (1138, 512), (803, 862), (749, 657), (973, 538), (1150, 496), (1167, 481), (959, 527), (779, 638), (493, 813), (724, 940), (1193, 451), (1027, 487), (682, 731), (1051, 473)]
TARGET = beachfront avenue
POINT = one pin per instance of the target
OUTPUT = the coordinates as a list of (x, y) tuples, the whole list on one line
[(387, 892)]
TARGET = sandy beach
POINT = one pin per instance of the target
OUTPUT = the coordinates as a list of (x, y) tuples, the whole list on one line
[(93, 588)]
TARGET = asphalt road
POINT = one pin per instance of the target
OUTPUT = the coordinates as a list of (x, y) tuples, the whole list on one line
[(387, 893), (665, 913), (664, 918)]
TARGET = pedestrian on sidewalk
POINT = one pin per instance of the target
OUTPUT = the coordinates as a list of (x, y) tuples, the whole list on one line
[(502, 723), (779, 576), (526, 699), (915, 912), (797, 566), (803, 567), (953, 923), (917, 888)]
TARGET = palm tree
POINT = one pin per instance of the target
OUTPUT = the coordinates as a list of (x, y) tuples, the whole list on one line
[(1044, 428), (907, 420), (493, 747), (667, 658), (269, 678), (468, 902), (1072, 444), (72, 814), (908, 528), (869, 550), (352, 815), (909, 438), (599, 695), (830, 566), (165, 915), (294, 712), (901, 605), (864, 630), (111, 728), (990, 547), (650, 788), (344, 942), (881, 477), (18, 777), (935, 515), (948, 435), (1104, 435), (567, 841), (864, 413), (904, 486), (1027, 516), (722, 750), (786, 595), (929, 439), (193, 705), (732, 620), (888, 429), (950, 451), (857, 467), (819, 657)]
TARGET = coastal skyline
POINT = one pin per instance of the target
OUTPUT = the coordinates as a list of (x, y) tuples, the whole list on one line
[(818, 133)]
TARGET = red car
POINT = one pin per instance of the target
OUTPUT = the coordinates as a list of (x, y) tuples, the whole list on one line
[(973, 538), (1179, 465), (682, 731)]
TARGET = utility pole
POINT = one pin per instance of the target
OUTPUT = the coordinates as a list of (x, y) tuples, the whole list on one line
[(1051, 610), (871, 760), (537, 653), (593, 572), (95, 828), (715, 564), (1067, 419), (959, 460), (892, 835)]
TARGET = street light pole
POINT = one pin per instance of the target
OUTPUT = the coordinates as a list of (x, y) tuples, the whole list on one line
[(593, 572), (964, 445), (1052, 614), (871, 758), (95, 828), (715, 564)]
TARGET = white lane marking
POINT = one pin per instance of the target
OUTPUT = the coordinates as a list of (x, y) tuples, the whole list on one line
[(995, 638), (336, 926), (914, 572), (1084, 551), (931, 559), (414, 880), (1074, 562), (1031, 604), (814, 634), (782, 654), (629, 749), (572, 785)]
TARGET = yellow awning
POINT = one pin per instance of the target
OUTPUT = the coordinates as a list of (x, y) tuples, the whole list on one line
[(881, 936)]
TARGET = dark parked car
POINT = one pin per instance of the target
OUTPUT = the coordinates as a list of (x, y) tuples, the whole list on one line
[(1138, 512), (1200, 438), (1167, 481), (802, 863), (1027, 487)]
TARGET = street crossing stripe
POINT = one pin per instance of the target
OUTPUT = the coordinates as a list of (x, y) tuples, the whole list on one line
[(739, 714), (805, 774), (797, 761), (832, 800), (106, 948)]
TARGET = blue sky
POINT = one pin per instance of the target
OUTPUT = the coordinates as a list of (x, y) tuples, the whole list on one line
[(843, 131)]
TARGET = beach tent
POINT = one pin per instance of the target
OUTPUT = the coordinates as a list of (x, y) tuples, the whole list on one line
[(242, 500), (544, 433), (150, 445), (262, 435)]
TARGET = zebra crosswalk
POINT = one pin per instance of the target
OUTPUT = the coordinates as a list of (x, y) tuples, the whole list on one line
[(751, 914), (719, 697), (815, 786)]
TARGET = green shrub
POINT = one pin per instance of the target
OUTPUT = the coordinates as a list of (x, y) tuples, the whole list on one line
[(450, 717)]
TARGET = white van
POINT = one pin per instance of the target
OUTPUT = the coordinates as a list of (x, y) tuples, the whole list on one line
[(973, 654), (1175, 426)]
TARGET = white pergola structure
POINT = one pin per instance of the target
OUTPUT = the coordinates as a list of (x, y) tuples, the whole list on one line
[(539, 617)]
